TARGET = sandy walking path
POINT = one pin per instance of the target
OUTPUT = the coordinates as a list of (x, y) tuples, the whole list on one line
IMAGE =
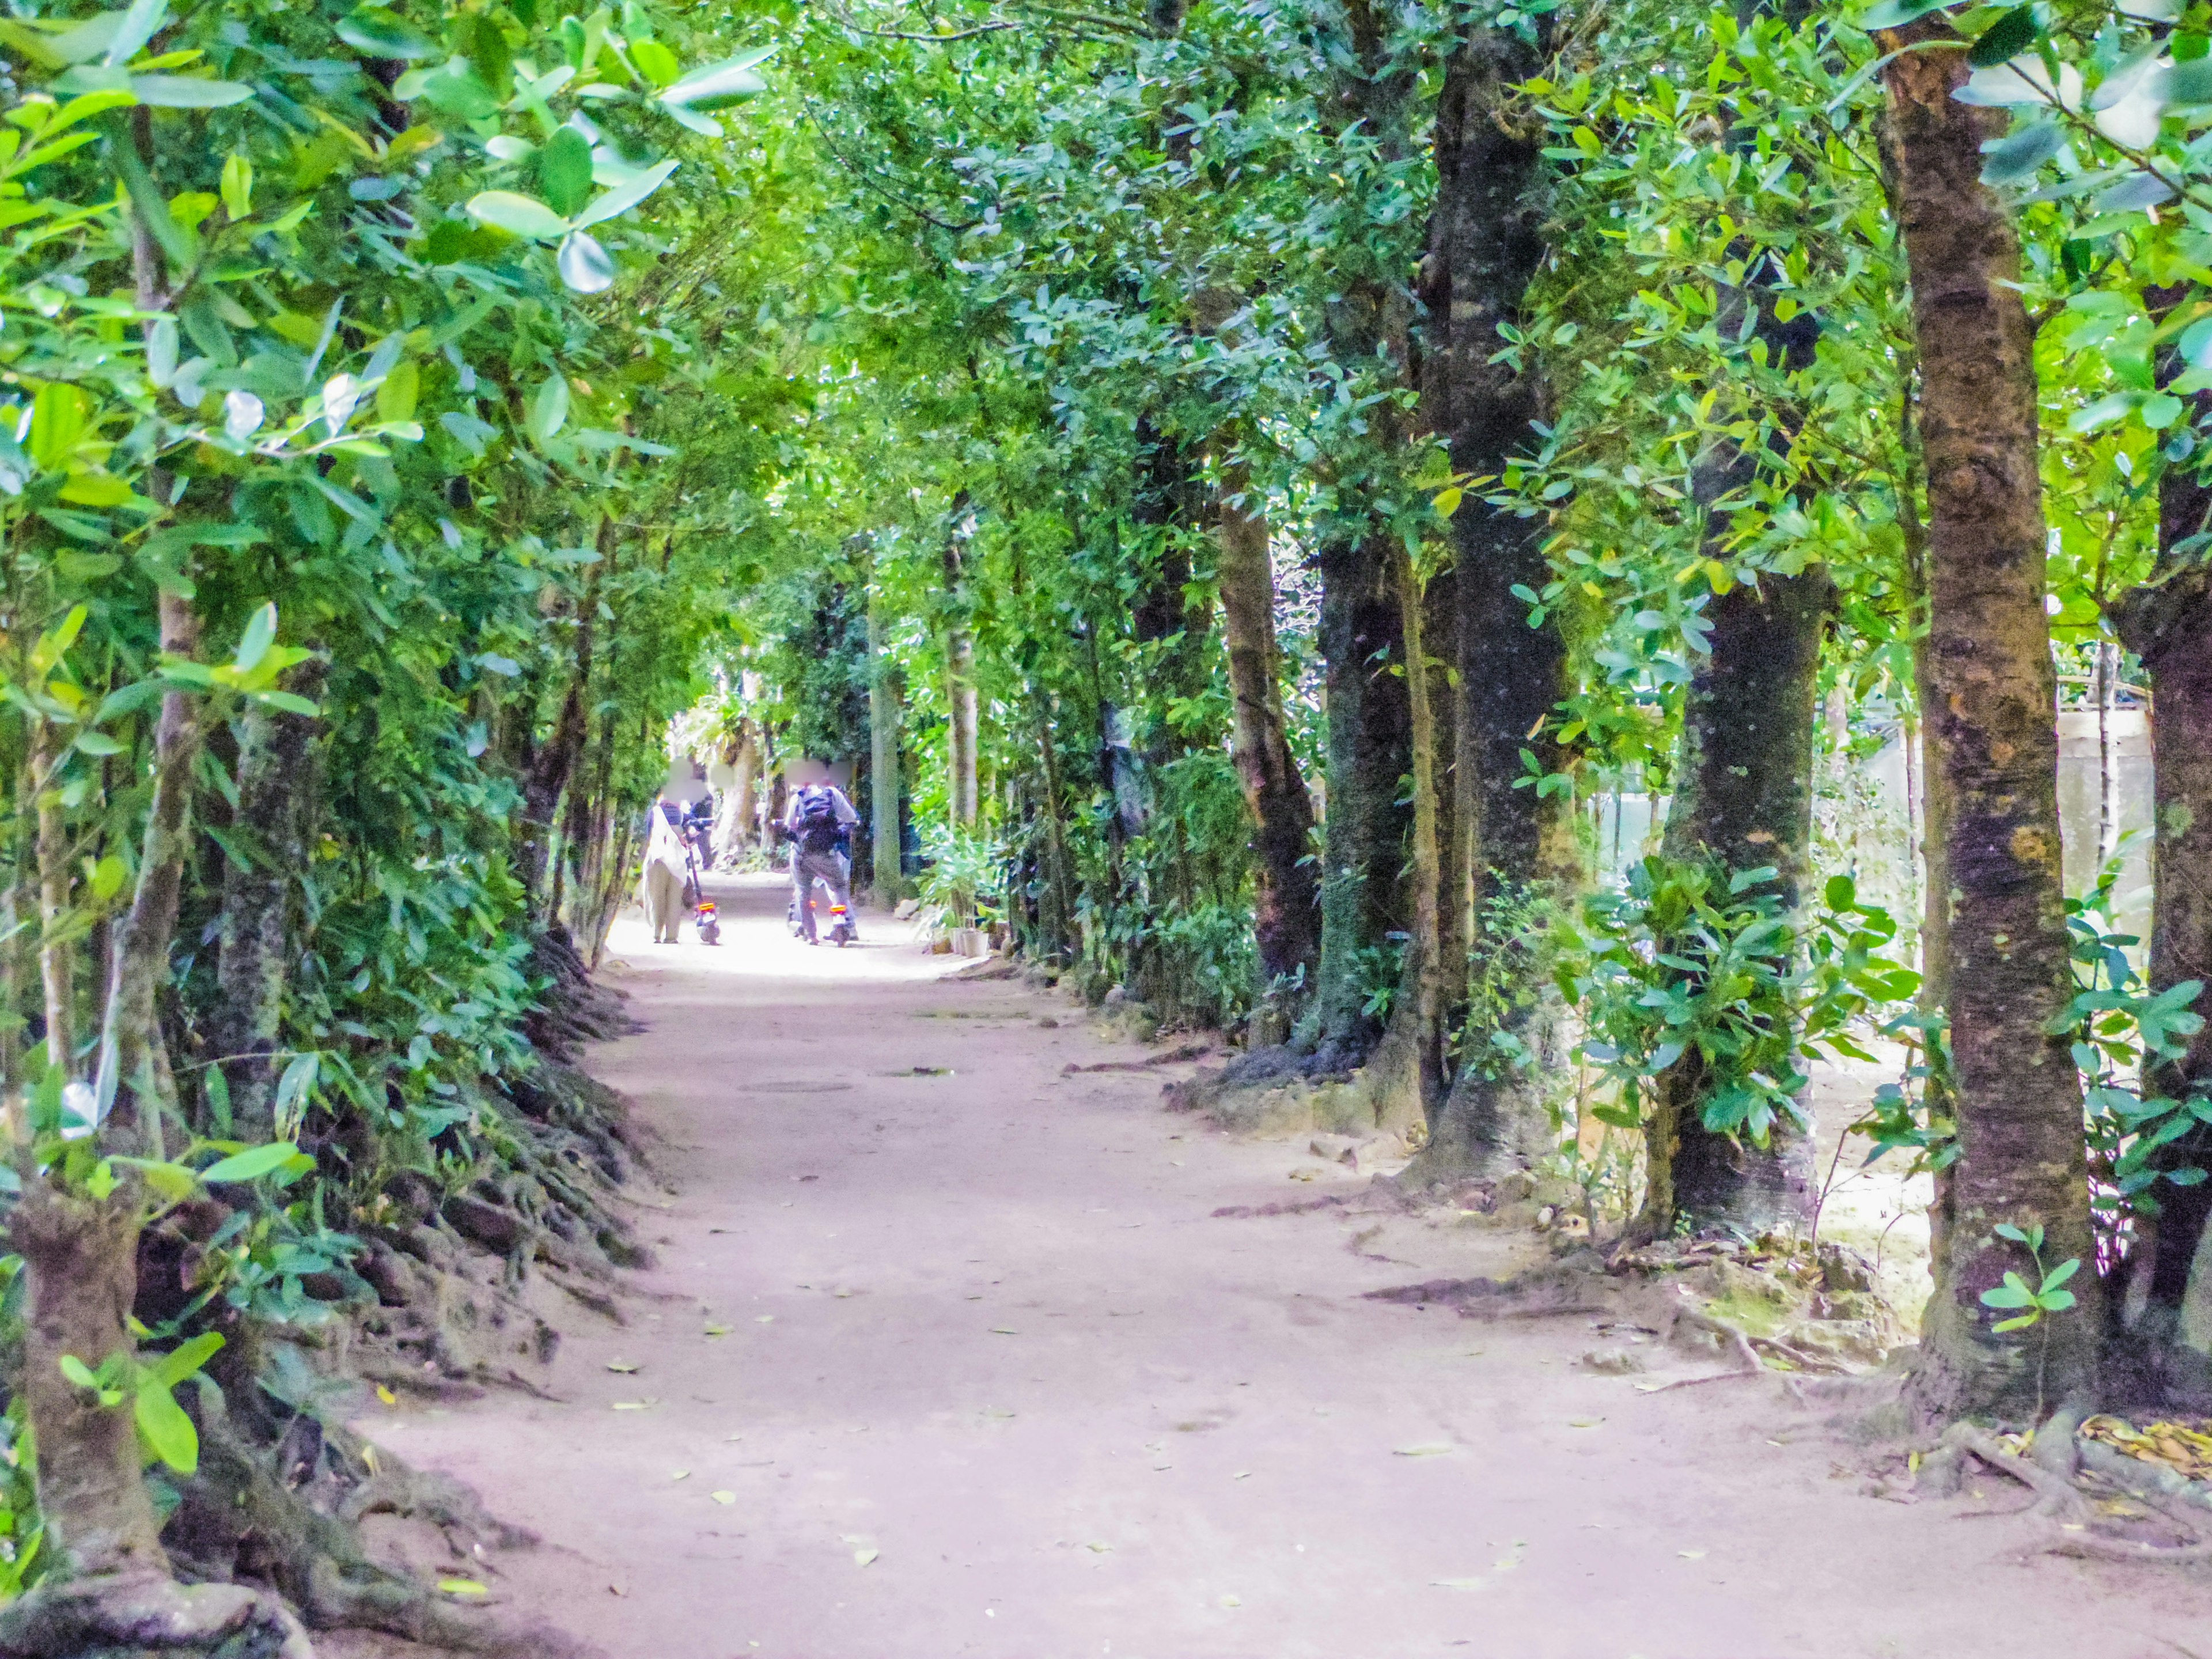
[(948, 1353)]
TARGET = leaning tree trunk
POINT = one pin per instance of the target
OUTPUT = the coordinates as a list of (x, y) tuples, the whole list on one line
[(1989, 707), (1364, 835), (1485, 244), (1286, 917), (255, 929), (1743, 795), (2168, 624)]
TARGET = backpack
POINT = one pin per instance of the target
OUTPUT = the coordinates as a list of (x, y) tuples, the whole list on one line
[(818, 819)]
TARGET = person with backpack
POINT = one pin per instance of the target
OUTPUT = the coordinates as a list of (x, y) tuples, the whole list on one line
[(819, 817), (666, 886)]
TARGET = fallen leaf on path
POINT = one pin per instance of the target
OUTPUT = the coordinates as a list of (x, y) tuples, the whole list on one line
[(1456, 1583), (462, 1587), (1691, 1555), (681, 1475), (386, 1395), (1004, 1330), (717, 1330), (861, 1558), (1242, 1474), (616, 1590), (723, 1496), (1230, 1601), (1584, 1422), (624, 1366), (1098, 1549), (764, 1319), (1422, 1451), (635, 1405)]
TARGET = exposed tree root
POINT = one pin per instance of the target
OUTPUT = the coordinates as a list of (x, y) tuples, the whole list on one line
[(2063, 1506), (242, 1517), (108, 1618)]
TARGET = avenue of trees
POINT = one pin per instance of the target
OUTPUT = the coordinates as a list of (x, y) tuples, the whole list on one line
[(1246, 485)]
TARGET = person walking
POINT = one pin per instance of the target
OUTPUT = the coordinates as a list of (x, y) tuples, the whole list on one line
[(818, 817), (665, 887)]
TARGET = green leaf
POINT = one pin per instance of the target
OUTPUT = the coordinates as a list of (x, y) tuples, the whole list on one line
[(549, 409), (379, 32), (237, 186), (1895, 13), (655, 62), (584, 264), (260, 633), (2059, 1275), (78, 1372), (564, 171), (58, 415), (139, 23), (252, 1164), (2004, 40), (188, 92), (215, 1089), (162, 1424), (517, 215), (2017, 155), (719, 86), (181, 1362), (623, 197)]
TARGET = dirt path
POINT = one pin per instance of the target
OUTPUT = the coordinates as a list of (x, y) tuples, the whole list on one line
[(959, 1360)]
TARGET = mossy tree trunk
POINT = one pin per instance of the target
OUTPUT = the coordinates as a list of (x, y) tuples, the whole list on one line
[(2168, 622), (1286, 917), (1486, 245), (255, 930), (884, 768), (1990, 707), (1743, 795), (1363, 834)]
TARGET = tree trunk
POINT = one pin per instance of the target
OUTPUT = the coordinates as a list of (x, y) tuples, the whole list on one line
[(142, 942), (1486, 246), (1405, 1078), (1990, 706), (1169, 508), (1286, 918), (1743, 794), (2168, 624), (56, 956), (553, 761), (883, 761), (255, 928), (1364, 836), (961, 785)]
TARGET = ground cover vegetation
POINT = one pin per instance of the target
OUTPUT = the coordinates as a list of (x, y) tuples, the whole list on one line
[(1249, 488)]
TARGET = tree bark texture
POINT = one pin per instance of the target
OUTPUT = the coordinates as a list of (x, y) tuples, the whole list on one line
[(255, 930), (1405, 1078), (1743, 794), (1989, 707), (82, 1262), (553, 761), (2168, 624), (57, 953), (1486, 245), (1286, 914), (960, 713), (1363, 838), (142, 940), (883, 761), (1169, 509)]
